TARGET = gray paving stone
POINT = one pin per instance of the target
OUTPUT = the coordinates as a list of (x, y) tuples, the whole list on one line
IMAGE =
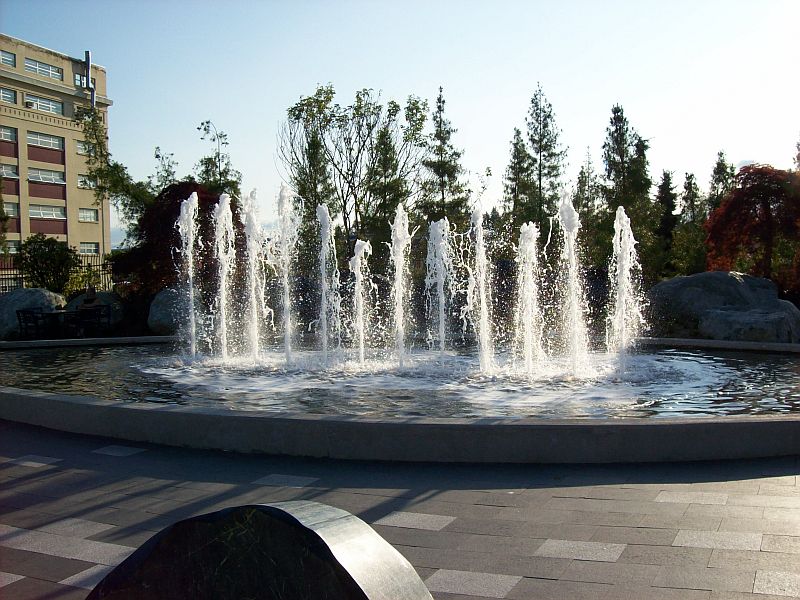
[(614, 573), (489, 585), (414, 520), (79, 528), (704, 578), (7, 578), (700, 522), (611, 519), (283, 480), (119, 451), (715, 510), (635, 535), (778, 583), (752, 560), (788, 544), (543, 589), (769, 489), (692, 497), (665, 555), (33, 460), (781, 514), (761, 526), (89, 578), (597, 551), (65, 547), (630, 592), (728, 540), (763, 500), (39, 566)]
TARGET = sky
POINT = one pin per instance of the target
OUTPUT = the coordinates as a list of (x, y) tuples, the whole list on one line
[(693, 77)]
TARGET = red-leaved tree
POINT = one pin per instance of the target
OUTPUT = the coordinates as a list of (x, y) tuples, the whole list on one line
[(756, 228)]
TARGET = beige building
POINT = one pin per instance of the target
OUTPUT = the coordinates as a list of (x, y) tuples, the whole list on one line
[(42, 151)]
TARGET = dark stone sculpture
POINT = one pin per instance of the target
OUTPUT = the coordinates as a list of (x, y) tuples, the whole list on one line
[(284, 551)]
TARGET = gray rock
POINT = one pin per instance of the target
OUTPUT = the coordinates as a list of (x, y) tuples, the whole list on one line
[(21, 299), (164, 311), (723, 305), (110, 298)]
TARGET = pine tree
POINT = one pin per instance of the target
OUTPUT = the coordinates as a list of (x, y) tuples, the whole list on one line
[(586, 198), (722, 178), (518, 184), (667, 198), (443, 193), (547, 154), (692, 202)]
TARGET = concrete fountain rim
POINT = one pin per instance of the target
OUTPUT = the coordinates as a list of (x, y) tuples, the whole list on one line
[(417, 439)]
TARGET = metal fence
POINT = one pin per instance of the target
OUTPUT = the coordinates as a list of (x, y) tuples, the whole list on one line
[(12, 278)]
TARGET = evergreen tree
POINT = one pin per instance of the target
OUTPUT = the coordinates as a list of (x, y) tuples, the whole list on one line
[(722, 178), (547, 156), (586, 198), (443, 192), (387, 189), (628, 185), (667, 198), (692, 203), (518, 184)]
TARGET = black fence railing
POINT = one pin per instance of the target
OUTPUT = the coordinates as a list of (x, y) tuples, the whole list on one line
[(93, 268)]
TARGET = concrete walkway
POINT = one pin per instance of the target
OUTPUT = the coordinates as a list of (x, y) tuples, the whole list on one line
[(72, 507)]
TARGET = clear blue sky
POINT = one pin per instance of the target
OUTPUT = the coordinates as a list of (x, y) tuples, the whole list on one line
[(694, 77)]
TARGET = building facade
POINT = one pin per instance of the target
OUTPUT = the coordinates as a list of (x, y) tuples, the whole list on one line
[(42, 151)]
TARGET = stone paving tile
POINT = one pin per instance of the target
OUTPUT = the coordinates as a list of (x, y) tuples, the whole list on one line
[(763, 500), (700, 522), (761, 526), (665, 555), (704, 578), (628, 592), (635, 535), (597, 551), (65, 547), (781, 514), (7, 578), (543, 589), (778, 583), (489, 585), (781, 543), (38, 565), (414, 520), (285, 480), (72, 527), (611, 519), (606, 493), (624, 506), (33, 460), (714, 510), (38, 589), (768, 489), (727, 540), (692, 497), (89, 578), (753, 560), (124, 536), (119, 451), (744, 596), (614, 573)]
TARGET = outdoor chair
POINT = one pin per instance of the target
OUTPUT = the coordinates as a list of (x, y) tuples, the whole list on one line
[(95, 320)]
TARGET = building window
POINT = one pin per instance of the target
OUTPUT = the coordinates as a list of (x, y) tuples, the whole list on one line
[(11, 209), (86, 182), (89, 248), (9, 171), (7, 95), (8, 134), (42, 211), (46, 176), (40, 68), (8, 58), (13, 246), (88, 215), (84, 147), (80, 80), (44, 104), (45, 141)]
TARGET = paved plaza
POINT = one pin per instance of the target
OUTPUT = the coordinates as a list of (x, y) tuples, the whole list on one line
[(72, 507)]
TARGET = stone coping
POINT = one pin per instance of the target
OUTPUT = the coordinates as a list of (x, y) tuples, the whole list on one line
[(411, 439), (104, 341), (720, 344)]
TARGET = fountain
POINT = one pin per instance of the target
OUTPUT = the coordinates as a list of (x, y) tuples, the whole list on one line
[(439, 266), (576, 339), (361, 287), (529, 310), (330, 300), (225, 254), (187, 228), (401, 241), (284, 250)]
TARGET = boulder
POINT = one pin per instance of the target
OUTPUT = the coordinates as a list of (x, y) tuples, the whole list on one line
[(163, 318), (21, 299), (723, 305), (110, 298)]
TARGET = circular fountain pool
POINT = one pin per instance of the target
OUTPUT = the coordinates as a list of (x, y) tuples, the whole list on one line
[(661, 384)]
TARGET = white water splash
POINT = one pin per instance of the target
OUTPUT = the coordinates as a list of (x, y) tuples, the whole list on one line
[(285, 250), (187, 227), (479, 295), (362, 284), (439, 273), (528, 313), (401, 242), (574, 319), (330, 300), (225, 253), (258, 311)]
